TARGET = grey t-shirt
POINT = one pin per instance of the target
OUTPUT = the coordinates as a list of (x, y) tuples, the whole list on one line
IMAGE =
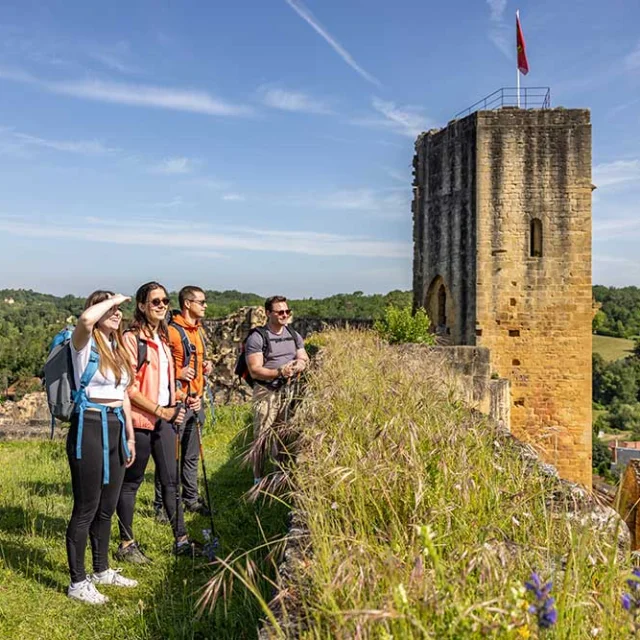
[(282, 347)]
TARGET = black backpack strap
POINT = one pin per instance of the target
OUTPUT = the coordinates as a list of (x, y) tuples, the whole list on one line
[(187, 350), (142, 352), (266, 343), (141, 348)]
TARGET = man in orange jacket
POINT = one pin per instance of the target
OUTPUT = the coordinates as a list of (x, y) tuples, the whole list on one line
[(189, 353)]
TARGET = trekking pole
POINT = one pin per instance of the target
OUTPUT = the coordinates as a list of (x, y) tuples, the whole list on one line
[(178, 484), (211, 540)]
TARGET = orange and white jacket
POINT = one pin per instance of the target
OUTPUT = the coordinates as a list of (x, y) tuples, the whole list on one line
[(147, 379)]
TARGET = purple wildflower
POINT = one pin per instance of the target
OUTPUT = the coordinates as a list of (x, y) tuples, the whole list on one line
[(631, 601), (543, 606)]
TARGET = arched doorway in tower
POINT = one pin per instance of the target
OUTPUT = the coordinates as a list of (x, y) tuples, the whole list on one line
[(438, 305)]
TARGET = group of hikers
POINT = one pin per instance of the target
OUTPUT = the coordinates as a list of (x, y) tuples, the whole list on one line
[(139, 393)]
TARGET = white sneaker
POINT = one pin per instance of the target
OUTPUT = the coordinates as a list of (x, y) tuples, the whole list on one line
[(85, 591), (113, 577)]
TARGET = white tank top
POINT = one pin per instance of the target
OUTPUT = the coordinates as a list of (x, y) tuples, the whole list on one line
[(164, 396), (101, 387)]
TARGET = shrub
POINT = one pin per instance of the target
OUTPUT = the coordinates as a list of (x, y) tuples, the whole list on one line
[(399, 325)]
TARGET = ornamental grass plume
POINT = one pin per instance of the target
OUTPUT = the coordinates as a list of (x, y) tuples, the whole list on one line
[(543, 606)]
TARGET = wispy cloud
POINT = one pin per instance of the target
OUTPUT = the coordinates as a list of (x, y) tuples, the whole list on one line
[(115, 57), (627, 262), (233, 197), (632, 60), (174, 166), (309, 18), (175, 202), (213, 184), (292, 101), (404, 120), (609, 228), (83, 147), (22, 144), (136, 95), (383, 203), (404, 178), (499, 32), (616, 173), (152, 233)]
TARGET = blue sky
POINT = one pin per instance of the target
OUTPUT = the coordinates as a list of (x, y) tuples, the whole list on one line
[(266, 145)]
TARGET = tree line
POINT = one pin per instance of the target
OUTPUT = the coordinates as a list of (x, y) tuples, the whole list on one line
[(29, 320), (619, 313)]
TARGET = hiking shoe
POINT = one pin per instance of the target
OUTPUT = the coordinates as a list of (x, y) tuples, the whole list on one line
[(85, 591), (200, 506), (161, 516), (132, 553), (113, 577), (189, 548)]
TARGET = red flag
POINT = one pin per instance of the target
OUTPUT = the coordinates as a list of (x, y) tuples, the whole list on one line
[(523, 63)]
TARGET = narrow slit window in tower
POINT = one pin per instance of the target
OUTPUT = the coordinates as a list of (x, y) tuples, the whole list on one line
[(536, 238)]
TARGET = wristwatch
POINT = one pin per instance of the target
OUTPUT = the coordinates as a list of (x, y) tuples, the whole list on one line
[(279, 372)]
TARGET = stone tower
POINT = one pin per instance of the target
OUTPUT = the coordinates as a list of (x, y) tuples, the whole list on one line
[(502, 259)]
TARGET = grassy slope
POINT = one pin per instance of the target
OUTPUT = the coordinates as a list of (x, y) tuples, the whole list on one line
[(612, 348), (35, 504), (424, 522)]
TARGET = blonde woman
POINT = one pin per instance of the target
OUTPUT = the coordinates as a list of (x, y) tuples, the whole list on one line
[(100, 442)]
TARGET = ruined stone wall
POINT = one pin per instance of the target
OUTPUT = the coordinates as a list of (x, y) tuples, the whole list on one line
[(467, 371), (534, 312), (444, 228), (226, 335), (482, 185)]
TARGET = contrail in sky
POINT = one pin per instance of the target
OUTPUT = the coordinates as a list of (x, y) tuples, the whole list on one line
[(308, 17)]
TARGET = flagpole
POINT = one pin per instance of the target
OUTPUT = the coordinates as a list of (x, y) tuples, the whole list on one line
[(517, 70)]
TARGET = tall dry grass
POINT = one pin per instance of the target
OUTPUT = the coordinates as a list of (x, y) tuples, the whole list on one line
[(423, 520)]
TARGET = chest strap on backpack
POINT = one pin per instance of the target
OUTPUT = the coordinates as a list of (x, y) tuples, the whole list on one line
[(82, 403), (81, 407)]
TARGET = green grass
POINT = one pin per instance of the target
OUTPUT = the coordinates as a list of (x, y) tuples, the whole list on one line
[(425, 522), (35, 504), (612, 348)]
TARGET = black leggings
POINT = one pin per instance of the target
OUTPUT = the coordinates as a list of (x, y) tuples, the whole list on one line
[(93, 502), (161, 444)]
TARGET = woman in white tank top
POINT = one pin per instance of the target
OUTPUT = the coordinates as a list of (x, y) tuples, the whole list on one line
[(100, 442)]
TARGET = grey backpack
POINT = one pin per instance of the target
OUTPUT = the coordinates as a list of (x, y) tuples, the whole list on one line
[(59, 377)]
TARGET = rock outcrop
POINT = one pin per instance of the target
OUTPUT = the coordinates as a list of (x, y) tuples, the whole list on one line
[(224, 338), (26, 418)]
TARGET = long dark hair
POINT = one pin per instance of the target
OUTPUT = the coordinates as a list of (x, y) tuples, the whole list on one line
[(140, 324), (115, 359)]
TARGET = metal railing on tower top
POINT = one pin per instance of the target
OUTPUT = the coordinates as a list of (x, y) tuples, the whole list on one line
[(530, 98)]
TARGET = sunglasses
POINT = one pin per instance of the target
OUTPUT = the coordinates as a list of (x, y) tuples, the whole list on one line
[(283, 312), (156, 302), (202, 303)]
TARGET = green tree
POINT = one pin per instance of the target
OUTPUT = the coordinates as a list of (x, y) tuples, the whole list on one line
[(399, 325), (601, 456)]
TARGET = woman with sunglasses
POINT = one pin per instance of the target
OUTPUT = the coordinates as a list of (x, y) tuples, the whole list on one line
[(99, 443), (156, 416)]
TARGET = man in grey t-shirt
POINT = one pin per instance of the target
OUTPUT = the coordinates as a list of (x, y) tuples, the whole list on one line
[(286, 358)]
